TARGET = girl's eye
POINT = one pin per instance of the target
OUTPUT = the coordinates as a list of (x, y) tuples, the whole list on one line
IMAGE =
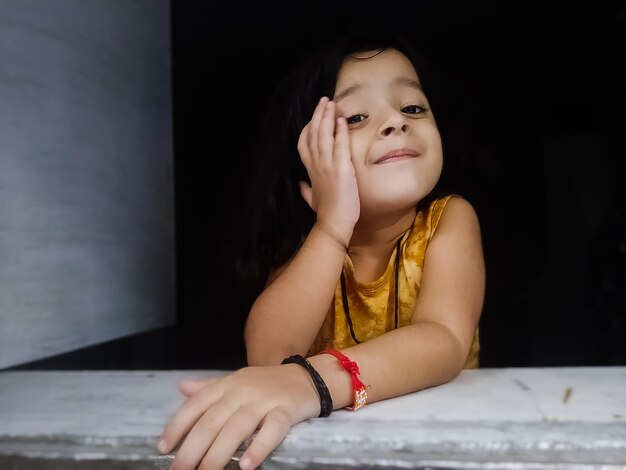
[(414, 109), (355, 118)]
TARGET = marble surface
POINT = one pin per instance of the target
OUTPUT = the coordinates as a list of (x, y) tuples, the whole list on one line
[(558, 418)]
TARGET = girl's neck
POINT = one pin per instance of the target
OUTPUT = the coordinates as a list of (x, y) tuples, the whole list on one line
[(378, 232), (373, 242)]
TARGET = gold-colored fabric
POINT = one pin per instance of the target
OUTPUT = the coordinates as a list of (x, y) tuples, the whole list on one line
[(371, 304)]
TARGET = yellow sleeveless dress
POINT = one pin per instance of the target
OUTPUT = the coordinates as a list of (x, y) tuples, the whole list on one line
[(372, 304)]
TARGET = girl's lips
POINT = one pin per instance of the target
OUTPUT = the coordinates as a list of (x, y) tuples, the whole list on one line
[(395, 155)]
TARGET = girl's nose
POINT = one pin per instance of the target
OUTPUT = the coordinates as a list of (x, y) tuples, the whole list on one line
[(395, 123), (392, 127)]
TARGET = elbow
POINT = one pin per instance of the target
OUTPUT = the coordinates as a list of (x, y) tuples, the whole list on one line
[(258, 351), (256, 357), (266, 346), (451, 368), (258, 342), (459, 357), (265, 352), (456, 353), (254, 350)]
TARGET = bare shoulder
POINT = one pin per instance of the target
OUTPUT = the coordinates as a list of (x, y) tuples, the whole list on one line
[(457, 241), (458, 215)]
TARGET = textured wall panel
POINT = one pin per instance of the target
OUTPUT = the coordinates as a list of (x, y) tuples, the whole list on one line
[(86, 183)]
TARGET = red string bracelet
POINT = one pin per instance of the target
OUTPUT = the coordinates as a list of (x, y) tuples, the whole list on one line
[(360, 394)]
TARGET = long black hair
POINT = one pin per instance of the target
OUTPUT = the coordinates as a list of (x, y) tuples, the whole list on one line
[(275, 218)]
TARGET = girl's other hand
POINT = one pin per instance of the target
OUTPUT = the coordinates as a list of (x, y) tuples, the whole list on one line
[(324, 147), (221, 413)]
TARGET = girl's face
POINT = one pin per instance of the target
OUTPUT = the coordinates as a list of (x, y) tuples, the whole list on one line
[(396, 146)]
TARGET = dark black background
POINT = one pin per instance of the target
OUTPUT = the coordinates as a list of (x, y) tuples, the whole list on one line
[(542, 95)]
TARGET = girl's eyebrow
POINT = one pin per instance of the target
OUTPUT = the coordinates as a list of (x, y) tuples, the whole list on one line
[(347, 92), (399, 81), (408, 82)]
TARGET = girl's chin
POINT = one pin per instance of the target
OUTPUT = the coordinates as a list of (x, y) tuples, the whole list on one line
[(392, 203)]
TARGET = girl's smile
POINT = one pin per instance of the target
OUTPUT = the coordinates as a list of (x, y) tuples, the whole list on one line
[(397, 155)]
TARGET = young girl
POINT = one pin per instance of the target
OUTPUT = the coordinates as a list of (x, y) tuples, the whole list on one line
[(373, 282)]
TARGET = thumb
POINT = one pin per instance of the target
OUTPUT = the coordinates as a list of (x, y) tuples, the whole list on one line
[(307, 193)]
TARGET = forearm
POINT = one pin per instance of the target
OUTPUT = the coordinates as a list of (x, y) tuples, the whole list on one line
[(286, 317), (401, 361)]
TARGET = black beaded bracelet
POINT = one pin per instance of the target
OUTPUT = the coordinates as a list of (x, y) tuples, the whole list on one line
[(326, 401)]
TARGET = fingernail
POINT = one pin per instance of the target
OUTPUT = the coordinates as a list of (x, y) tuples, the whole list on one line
[(162, 445), (245, 463)]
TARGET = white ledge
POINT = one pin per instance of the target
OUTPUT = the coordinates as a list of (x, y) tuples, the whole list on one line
[(515, 418)]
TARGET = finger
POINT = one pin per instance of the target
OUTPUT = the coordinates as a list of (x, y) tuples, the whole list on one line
[(342, 140), (274, 429), (187, 415), (303, 146), (237, 429), (307, 193), (315, 124), (326, 131), (189, 386), (202, 434)]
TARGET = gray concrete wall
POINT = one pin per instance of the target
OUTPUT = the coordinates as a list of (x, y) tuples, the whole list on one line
[(86, 177)]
